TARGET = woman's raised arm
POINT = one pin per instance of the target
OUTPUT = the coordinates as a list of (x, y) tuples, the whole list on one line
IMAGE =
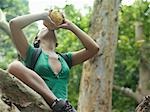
[(16, 26)]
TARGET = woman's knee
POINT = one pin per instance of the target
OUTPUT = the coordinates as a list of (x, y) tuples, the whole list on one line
[(14, 67)]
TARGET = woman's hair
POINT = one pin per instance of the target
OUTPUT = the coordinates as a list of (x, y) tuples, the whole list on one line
[(36, 42)]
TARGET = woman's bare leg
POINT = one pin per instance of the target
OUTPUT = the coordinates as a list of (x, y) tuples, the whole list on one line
[(32, 79)]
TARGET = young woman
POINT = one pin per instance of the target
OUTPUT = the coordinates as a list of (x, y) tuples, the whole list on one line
[(51, 72)]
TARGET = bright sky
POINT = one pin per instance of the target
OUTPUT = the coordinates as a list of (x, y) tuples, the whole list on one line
[(127, 2), (39, 5)]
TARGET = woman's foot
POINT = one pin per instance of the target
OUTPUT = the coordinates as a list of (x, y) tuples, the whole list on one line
[(62, 106)]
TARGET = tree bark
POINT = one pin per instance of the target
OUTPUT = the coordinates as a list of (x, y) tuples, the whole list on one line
[(17, 97), (127, 91), (97, 78)]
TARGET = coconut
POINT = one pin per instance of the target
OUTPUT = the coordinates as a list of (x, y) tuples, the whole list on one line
[(56, 16)]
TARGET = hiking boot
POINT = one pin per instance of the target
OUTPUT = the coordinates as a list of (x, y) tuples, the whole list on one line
[(62, 106)]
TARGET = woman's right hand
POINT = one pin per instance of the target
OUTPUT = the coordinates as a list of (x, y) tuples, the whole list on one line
[(47, 21)]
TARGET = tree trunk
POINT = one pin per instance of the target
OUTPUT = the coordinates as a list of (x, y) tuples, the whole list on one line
[(17, 97), (144, 66), (97, 78), (4, 24)]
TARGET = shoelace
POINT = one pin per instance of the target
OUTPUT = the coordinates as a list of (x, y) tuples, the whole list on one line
[(69, 108)]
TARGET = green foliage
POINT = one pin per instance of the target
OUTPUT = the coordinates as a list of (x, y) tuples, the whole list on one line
[(7, 53), (13, 8), (122, 103), (74, 84), (127, 54)]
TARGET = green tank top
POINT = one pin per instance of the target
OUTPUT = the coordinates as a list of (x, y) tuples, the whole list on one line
[(58, 84)]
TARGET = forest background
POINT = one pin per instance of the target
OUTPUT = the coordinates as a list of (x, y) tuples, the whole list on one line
[(127, 56)]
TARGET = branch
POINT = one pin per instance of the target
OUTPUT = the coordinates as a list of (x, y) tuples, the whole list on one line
[(5, 108), (4, 25), (127, 92), (14, 92), (144, 105)]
